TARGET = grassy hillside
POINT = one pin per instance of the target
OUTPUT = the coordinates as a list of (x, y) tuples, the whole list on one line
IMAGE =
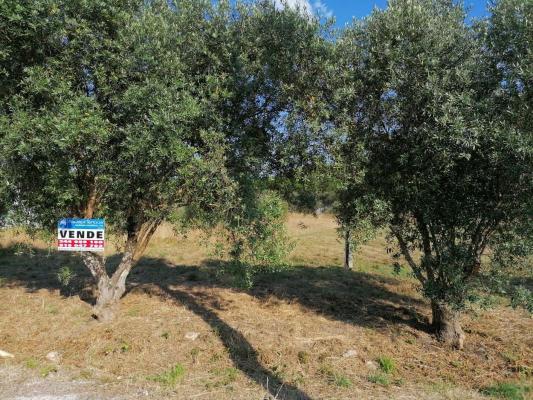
[(314, 331)]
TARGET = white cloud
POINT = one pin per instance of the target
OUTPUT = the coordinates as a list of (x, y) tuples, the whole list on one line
[(322, 9), (317, 8)]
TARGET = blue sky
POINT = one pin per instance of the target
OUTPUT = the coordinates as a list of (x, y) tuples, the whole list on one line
[(345, 10)]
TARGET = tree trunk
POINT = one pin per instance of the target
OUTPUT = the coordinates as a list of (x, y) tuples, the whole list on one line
[(447, 325), (110, 289), (348, 250)]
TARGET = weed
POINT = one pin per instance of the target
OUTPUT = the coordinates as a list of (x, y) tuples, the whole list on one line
[(170, 377), (343, 381), (334, 378), (226, 377), (46, 370), (229, 375), (65, 275), (195, 351), (279, 372), (508, 391), (31, 363), (380, 379), (303, 357), (124, 347), (456, 364), (510, 357), (165, 335), (386, 364)]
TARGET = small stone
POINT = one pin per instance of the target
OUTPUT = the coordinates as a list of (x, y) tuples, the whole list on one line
[(54, 357), (5, 354), (371, 365), (192, 335), (350, 353)]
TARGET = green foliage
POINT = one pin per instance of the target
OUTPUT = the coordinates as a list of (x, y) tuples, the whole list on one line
[(131, 110), (255, 235), (507, 390), (119, 118), (440, 138), (170, 377)]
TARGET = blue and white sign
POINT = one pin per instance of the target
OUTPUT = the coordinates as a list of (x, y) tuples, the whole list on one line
[(76, 234)]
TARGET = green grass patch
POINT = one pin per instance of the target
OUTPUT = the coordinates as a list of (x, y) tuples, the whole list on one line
[(170, 377), (508, 391), (334, 378), (379, 379), (31, 363), (386, 364), (343, 381), (228, 375)]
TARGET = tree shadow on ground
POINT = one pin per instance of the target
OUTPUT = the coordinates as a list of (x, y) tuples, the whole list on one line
[(353, 297)]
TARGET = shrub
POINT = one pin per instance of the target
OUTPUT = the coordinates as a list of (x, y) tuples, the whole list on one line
[(255, 237)]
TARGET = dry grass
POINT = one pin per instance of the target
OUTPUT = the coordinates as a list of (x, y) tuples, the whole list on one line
[(291, 331)]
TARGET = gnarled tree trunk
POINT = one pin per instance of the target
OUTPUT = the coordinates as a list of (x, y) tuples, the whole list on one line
[(446, 323), (348, 250), (112, 288)]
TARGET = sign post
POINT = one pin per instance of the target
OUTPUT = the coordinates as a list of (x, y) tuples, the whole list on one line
[(75, 234)]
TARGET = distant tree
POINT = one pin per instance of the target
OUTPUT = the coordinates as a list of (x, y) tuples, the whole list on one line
[(456, 178), (112, 113)]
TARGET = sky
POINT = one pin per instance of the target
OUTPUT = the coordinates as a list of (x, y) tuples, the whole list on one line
[(345, 10)]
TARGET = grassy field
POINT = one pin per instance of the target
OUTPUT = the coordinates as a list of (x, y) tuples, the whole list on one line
[(313, 331)]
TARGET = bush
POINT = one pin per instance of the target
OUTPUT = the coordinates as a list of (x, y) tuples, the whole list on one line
[(256, 239)]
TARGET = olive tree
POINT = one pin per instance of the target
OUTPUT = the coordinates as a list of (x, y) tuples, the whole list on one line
[(456, 177), (275, 63), (116, 118)]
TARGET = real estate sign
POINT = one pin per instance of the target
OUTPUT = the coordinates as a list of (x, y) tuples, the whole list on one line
[(75, 234)]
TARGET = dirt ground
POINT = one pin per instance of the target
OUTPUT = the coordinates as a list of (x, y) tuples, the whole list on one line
[(313, 331)]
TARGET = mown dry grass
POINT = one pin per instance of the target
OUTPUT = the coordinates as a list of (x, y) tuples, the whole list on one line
[(292, 330)]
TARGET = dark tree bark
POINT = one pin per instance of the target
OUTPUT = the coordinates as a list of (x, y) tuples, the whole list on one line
[(446, 323), (348, 250)]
